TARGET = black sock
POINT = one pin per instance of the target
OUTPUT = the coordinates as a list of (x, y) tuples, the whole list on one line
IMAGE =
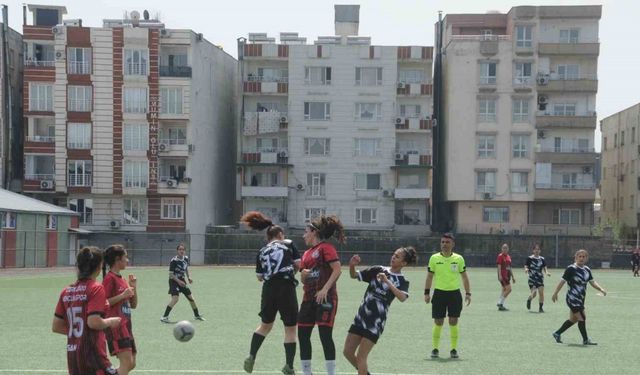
[(582, 326), (304, 338), (167, 311), (290, 352), (256, 342), (195, 312), (541, 306), (565, 326), (326, 339)]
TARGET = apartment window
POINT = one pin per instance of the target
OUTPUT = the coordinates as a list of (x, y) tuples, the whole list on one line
[(41, 130), (136, 137), (409, 76), (604, 144), (272, 74), (567, 216), (622, 138), (520, 110), (39, 167), (52, 222), (583, 145), (487, 110), (410, 110), (368, 111), (317, 75), (367, 181), (8, 220), (80, 172), (312, 213), (564, 109), (79, 60), (366, 215), (173, 208), (488, 73), (79, 136), (171, 100), (40, 97), (136, 62), (523, 72), (317, 146), (134, 212), (136, 173), (486, 146), (267, 144), (568, 71), (265, 179), (524, 36), (80, 98), (316, 185), (173, 135), (175, 169), (486, 182), (367, 147), (495, 214), (569, 35), (405, 216), (569, 180), (615, 140), (368, 76), (271, 107), (135, 100), (520, 144), (317, 111), (520, 182), (84, 207)]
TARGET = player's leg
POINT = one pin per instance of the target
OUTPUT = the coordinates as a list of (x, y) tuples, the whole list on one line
[(573, 318), (363, 354), (288, 308), (127, 362), (455, 309), (541, 300), (172, 302), (328, 347), (306, 321), (532, 294), (350, 346), (438, 312), (582, 326), (187, 293)]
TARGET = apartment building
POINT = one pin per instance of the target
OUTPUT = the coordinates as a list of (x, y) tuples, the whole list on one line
[(129, 124), (620, 182), (340, 126), (519, 108)]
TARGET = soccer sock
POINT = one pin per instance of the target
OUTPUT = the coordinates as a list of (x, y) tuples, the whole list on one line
[(326, 339), (565, 326), (290, 352), (541, 305), (195, 312), (167, 311), (435, 336), (306, 366), (331, 367), (453, 330), (304, 338), (256, 342), (582, 326)]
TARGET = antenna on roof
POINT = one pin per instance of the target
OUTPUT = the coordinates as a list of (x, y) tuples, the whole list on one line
[(145, 14)]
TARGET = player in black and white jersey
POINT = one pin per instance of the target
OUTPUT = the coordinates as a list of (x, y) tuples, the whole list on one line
[(385, 284), (536, 268), (276, 265), (576, 276), (178, 277)]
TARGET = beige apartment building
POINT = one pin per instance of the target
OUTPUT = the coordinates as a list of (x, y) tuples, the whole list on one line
[(519, 100)]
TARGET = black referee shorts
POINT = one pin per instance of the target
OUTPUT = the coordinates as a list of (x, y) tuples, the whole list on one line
[(445, 301), (279, 295)]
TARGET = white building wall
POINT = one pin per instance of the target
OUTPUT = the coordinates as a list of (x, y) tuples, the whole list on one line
[(550, 29)]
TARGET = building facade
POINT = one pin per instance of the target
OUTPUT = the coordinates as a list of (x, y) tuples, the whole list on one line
[(519, 100), (119, 118), (339, 126)]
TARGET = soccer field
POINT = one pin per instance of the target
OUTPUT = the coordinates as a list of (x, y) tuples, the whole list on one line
[(491, 342)]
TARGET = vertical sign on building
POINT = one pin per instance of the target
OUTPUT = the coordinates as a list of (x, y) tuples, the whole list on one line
[(152, 115)]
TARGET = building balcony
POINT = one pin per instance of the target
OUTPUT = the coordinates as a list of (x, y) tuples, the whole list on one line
[(31, 63), (261, 51), (39, 176), (413, 124), (414, 89), (257, 87), (412, 193), (566, 156), (411, 159), (582, 84), (565, 192), (39, 182), (256, 123), (279, 156), (523, 84), (40, 138), (173, 185), (569, 49), (265, 191), (415, 53), (79, 180), (174, 147), (548, 120), (175, 71)]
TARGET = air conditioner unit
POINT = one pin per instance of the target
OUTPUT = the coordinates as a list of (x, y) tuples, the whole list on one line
[(541, 134), (543, 99), (114, 224), (586, 170), (300, 187), (171, 183), (487, 195), (59, 55), (284, 120), (399, 156), (47, 184), (163, 147), (164, 33), (386, 193), (399, 120), (187, 179), (57, 30), (543, 79), (516, 232), (401, 85)]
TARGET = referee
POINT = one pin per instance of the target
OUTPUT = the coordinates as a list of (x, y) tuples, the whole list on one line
[(447, 300)]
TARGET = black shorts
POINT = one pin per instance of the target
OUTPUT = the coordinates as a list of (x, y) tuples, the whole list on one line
[(364, 333), (279, 295), (535, 284), (175, 289), (323, 314), (446, 301)]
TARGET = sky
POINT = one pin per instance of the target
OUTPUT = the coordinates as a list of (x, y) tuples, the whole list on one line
[(387, 22)]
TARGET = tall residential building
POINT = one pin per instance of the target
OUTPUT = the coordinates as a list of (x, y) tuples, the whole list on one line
[(620, 182), (339, 126), (129, 124), (519, 99)]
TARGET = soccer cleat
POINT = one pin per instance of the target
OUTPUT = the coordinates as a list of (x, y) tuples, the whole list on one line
[(556, 336), (200, 317), (286, 370), (528, 303), (589, 342), (248, 363), (435, 353), (540, 310), (454, 354), (165, 319), (502, 308)]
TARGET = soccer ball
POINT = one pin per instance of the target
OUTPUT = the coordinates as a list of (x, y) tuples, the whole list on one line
[(183, 331)]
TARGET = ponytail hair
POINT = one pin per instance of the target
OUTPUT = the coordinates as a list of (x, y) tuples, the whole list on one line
[(259, 221), (327, 227), (409, 254), (88, 261), (111, 254)]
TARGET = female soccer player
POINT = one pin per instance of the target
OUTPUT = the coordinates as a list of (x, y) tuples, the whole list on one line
[(505, 276), (320, 269), (122, 298), (385, 284), (276, 265), (576, 276), (178, 270), (79, 316), (536, 268)]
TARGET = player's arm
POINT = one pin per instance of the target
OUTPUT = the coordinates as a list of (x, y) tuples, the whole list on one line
[(59, 325), (133, 283), (427, 287), (353, 262), (400, 295), (127, 293), (95, 322), (546, 271), (321, 296), (554, 297), (597, 286), (467, 287), (500, 272)]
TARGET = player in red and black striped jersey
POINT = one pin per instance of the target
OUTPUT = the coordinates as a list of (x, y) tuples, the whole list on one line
[(122, 297), (80, 315)]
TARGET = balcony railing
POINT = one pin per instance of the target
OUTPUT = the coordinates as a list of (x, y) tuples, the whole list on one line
[(257, 78), (79, 145), (41, 138), (266, 155), (79, 67), (39, 63), (565, 186), (567, 149), (481, 37), (175, 71), (39, 176), (411, 158), (79, 179), (135, 69), (413, 123), (172, 141)]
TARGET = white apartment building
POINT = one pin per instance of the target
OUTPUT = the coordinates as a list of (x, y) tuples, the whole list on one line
[(129, 124), (339, 126), (519, 97)]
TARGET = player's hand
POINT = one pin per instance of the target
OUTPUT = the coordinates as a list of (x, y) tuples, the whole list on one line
[(182, 283), (128, 293), (554, 297), (427, 298), (548, 274), (514, 279), (190, 281), (133, 280), (382, 277), (355, 260), (321, 296), (467, 298)]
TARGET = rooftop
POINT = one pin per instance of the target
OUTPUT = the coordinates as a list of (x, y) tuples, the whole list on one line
[(14, 202)]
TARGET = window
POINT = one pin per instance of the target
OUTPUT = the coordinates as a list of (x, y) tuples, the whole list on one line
[(524, 36), (175, 169), (317, 75), (312, 213), (564, 109), (488, 73), (79, 98), (520, 144), (136, 137), (317, 111), (604, 144), (520, 182), (486, 182), (171, 100), (366, 215), (79, 136), (79, 60), (267, 144), (367, 147), (173, 208), (8, 220), (39, 167), (79, 172), (265, 179), (569, 72), (368, 111), (569, 180), (40, 97), (523, 72), (271, 107), (272, 74), (364, 181), (135, 212), (368, 76), (317, 146), (52, 222), (135, 100), (495, 214), (567, 216), (569, 35), (486, 146), (84, 207), (406, 216), (41, 129), (487, 110), (135, 62), (520, 110), (316, 184), (622, 138), (136, 173), (173, 135), (409, 76), (410, 110)]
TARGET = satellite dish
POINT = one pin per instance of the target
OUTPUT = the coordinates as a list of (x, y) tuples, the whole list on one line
[(145, 14), (135, 17)]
